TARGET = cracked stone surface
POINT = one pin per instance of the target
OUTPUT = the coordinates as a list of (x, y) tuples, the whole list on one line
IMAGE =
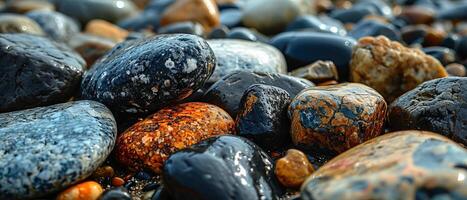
[(439, 105), (336, 117), (390, 68)]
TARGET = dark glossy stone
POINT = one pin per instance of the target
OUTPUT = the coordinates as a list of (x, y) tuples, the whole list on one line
[(231, 17), (451, 41), (242, 34), (381, 7), (222, 167), (47, 149), (374, 28), (461, 49), (193, 28), (36, 71), (413, 34), (443, 54), (117, 193), (57, 26), (303, 48), (400, 165), (228, 91), (232, 55), (456, 12), (438, 105), (353, 14), (161, 194), (262, 116), (146, 20), (310, 22), (218, 33), (143, 75)]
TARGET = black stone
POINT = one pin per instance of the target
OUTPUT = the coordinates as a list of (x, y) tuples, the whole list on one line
[(312, 23), (222, 167), (118, 193), (352, 15), (455, 12), (227, 92), (144, 20), (374, 28), (262, 116), (438, 105), (218, 33), (444, 55), (143, 75), (57, 26), (36, 71), (150, 186), (451, 41), (142, 175), (461, 48), (242, 34), (193, 28)]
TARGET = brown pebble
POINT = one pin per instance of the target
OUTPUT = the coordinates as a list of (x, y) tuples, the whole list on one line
[(104, 171), (418, 15), (203, 11), (326, 83), (106, 29), (456, 69), (293, 169), (24, 6), (89, 190), (117, 181)]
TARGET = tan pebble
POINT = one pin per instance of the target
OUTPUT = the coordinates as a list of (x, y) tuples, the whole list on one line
[(456, 69), (203, 11), (293, 169), (106, 29), (104, 171), (89, 190)]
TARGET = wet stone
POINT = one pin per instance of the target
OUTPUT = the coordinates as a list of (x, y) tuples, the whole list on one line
[(303, 48), (47, 148), (418, 15), (232, 55), (313, 23), (36, 71), (456, 12), (336, 117), (390, 68), (193, 28), (317, 72), (106, 29), (374, 28), (218, 33), (210, 170), (149, 143), (143, 75), (353, 14), (293, 169), (89, 190), (204, 12), (228, 91), (117, 193), (12, 23), (262, 116), (400, 165), (242, 34), (438, 105), (442, 54), (57, 26), (90, 47)]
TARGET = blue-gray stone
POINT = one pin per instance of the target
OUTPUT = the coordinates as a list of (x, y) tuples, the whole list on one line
[(87, 10), (56, 25), (45, 149)]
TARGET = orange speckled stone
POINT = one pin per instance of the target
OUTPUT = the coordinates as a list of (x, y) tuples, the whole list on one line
[(148, 143), (203, 11), (89, 190), (293, 169), (106, 29)]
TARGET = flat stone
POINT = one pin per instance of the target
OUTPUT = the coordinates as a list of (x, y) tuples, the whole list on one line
[(56, 25), (36, 71), (317, 72), (232, 55), (400, 165), (13, 23), (46, 149)]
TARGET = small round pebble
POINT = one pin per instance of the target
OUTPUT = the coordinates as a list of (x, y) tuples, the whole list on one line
[(117, 181), (89, 190), (117, 193), (456, 69), (293, 169)]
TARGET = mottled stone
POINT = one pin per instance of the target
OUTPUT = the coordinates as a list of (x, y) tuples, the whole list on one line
[(149, 143), (374, 28), (456, 69), (90, 47), (439, 105), (262, 116), (87, 10), (336, 117), (293, 169), (390, 68), (12, 23), (232, 55), (194, 28), (303, 48), (222, 167), (25, 6), (48, 148), (89, 190), (228, 91), (36, 71), (143, 75), (57, 26), (204, 12), (272, 16), (317, 72), (117, 193), (400, 165), (106, 29)]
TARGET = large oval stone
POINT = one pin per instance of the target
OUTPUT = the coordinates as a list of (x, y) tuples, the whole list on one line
[(149, 143), (232, 55), (36, 71), (46, 149), (400, 165), (143, 75), (87, 10), (222, 167), (336, 117), (438, 105)]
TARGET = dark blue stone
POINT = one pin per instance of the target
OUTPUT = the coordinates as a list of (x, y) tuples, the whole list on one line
[(58, 26), (352, 15), (312, 23), (444, 55), (193, 28), (456, 12), (374, 28), (118, 193)]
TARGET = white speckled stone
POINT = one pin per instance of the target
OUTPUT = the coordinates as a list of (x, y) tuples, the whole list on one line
[(45, 149)]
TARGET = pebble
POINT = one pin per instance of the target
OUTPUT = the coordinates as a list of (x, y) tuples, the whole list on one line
[(293, 169), (242, 34), (116, 193), (221, 167), (36, 71), (336, 117), (149, 143), (262, 116), (193, 28), (374, 28), (36, 159), (303, 48), (456, 12), (444, 55), (317, 72), (57, 26), (106, 29), (117, 181), (90, 47), (218, 32), (231, 17), (390, 68), (89, 190), (13, 23), (313, 23), (400, 165), (143, 75), (228, 91), (437, 105), (204, 12), (418, 15), (25, 6), (456, 69), (104, 171), (232, 55)]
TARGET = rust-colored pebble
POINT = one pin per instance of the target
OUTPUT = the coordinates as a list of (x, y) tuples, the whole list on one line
[(203, 11), (89, 190), (293, 169), (117, 181), (106, 29)]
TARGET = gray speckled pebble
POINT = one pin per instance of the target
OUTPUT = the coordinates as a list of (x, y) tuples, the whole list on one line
[(46, 149)]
